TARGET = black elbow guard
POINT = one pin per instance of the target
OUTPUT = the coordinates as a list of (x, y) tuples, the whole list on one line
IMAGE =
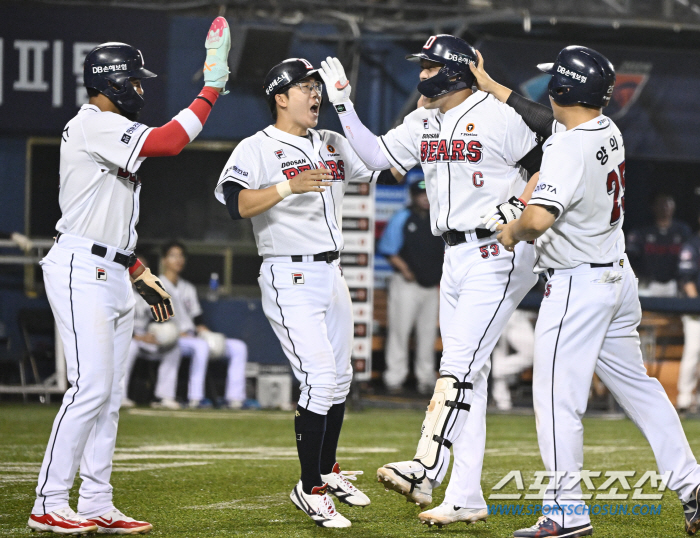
[(385, 177), (533, 160), (231, 191)]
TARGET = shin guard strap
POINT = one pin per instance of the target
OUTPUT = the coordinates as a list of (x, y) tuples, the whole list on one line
[(458, 405), (444, 442)]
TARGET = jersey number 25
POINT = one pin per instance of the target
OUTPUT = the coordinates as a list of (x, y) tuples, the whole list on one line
[(616, 187)]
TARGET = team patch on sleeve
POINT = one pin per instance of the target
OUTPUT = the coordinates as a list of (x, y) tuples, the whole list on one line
[(126, 137)]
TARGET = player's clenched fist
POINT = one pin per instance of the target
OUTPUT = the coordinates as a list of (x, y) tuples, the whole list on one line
[(505, 236), (151, 289), (311, 181)]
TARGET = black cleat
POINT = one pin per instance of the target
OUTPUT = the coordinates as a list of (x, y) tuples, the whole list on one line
[(692, 513)]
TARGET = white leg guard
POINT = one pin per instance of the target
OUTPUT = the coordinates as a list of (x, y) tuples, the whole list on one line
[(443, 422)]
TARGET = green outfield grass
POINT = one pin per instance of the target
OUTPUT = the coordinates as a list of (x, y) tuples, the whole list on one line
[(215, 473)]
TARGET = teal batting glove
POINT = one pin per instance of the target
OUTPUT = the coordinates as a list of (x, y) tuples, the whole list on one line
[(218, 45)]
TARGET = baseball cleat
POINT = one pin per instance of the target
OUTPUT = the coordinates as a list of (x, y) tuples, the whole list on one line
[(692, 512), (409, 479), (114, 522), (234, 404), (339, 485), (447, 513), (166, 403), (61, 521), (318, 506), (204, 403), (547, 527)]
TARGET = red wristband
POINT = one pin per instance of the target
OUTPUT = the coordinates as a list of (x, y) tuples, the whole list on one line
[(523, 201), (134, 267), (211, 94)]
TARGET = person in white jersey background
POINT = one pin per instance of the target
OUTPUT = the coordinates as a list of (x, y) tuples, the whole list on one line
[(289, 179), (86, 277), (590, 312), (472, 149), (194, 340)]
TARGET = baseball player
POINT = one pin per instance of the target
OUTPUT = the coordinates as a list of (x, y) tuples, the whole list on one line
[(471, 148), (87, 272), (689, 276), (289, 179), (416, 256), (519, 334), (194, 340), (588, 318)]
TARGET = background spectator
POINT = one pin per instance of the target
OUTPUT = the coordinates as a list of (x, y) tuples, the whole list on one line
[(416, 256), (653, 250), (689, 279), (518, 337), (192, 338)]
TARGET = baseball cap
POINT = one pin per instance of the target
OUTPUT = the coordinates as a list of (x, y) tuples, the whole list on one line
[(418, 187)]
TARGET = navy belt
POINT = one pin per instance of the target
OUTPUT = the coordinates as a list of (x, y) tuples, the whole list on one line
[(99, 250), (327, 257), (454, 237)]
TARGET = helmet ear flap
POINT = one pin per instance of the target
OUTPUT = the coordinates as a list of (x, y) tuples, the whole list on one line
[(558, 88), (445, 81)]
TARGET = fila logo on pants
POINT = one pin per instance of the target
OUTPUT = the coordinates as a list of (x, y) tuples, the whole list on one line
[(298, 278)]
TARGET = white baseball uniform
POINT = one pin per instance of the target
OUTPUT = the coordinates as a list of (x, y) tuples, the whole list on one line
[(588, 319), (92, 301), (169, 358), (469, 156), (186, 304), (307, 302), (519, 334)]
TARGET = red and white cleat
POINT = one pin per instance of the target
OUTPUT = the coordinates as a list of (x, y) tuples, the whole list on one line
[(114, 522), (61, 521)]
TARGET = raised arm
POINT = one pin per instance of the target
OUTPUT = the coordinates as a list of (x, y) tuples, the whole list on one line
[(171, 138), (537, 117), (361, 139)]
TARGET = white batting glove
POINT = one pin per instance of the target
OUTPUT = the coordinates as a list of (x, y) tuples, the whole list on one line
[(336, 83), (22, 241), (503, 213)]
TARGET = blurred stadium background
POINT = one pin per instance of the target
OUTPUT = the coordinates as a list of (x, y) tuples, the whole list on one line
[(654, 44)]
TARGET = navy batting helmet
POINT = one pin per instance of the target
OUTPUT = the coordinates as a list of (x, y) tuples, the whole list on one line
[(108, 68), (280, 77), (580, 76), (455, 55)]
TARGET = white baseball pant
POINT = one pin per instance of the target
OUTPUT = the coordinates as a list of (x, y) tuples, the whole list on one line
[(520, 335), (482, 285), (308, 305), (237, 355), (588, 323), (94, 312), (411, 305), (166, 383), (688, 374)]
